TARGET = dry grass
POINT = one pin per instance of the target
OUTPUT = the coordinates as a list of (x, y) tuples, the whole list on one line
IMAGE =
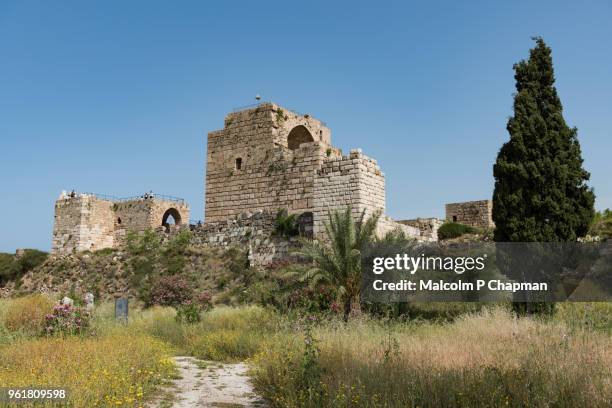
[(488, 359), (483, 359), (27, 314)]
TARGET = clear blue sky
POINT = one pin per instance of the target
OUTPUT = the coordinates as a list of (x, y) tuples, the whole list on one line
[(117, 97)]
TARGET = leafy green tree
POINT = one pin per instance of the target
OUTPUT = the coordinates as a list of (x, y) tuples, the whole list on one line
[(540, 192), (13, 267), (337, 262), (602, 224)]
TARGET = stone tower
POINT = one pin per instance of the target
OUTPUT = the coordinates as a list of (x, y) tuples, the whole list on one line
[(268, 158)]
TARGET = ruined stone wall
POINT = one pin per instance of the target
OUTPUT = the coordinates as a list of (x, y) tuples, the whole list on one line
[(142, 214), (428, 227), (250, 165), (474, 213), (87, 222), (81, 223), (252, 231)]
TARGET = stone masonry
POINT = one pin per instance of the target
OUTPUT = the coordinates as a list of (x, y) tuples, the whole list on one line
[(473, 213), (90, 222), (268, 158)]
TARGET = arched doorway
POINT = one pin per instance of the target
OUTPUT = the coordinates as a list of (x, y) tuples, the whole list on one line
[(297, 136), (171, 217)]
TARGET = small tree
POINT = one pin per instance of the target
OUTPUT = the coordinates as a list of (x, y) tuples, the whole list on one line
[(338, 261)]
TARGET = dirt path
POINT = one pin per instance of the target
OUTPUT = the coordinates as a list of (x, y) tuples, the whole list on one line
[(211, 384)]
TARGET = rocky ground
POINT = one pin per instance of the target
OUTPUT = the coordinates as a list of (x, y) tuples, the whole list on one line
[(208, 384)]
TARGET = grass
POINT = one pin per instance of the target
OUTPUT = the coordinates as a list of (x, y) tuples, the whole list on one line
[(113, 370), (481, 357), (225, 334), (479, 360)]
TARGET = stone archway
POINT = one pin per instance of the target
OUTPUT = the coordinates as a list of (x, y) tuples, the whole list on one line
[(171, 214), (298, 135)]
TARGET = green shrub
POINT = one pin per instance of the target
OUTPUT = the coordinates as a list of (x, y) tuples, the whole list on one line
[(12, 267), (602, 224), (285, 224), (9, 267), (450, 230), (31, 258)]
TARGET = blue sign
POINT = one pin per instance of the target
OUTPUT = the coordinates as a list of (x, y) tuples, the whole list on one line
[(121, 309)]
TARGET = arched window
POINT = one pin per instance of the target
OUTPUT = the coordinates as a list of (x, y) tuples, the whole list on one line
[(171, 216), (238, 163), (297, 136)]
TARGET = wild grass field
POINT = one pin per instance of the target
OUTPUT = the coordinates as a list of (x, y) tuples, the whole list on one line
[(482, 358)]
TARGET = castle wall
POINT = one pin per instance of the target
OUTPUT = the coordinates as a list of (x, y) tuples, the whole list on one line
[(82, 223), (474, 213), (252, 231)]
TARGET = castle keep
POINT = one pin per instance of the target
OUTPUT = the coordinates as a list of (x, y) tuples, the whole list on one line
[(269, 158)]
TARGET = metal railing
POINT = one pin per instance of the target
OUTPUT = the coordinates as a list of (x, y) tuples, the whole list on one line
[(144, 196)]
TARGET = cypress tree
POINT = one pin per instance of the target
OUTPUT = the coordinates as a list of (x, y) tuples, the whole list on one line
[(540, 192)]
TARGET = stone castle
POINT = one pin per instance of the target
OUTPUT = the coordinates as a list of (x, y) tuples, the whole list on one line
[(265, 158)]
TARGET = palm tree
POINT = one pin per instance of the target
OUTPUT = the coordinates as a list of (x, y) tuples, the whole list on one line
[(337, 261)]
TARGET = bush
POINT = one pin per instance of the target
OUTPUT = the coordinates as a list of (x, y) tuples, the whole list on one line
[(28, 313), (286, 225), (170, 291), (12, 267), (191, 310), (9, 267), (31, 258), (67, 320), (602, 224), (450, 230)]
